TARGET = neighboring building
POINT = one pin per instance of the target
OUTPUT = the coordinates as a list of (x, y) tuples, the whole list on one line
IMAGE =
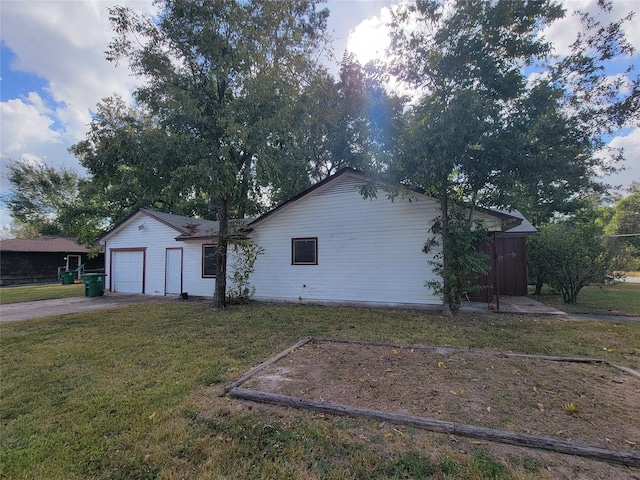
[(39, 260), (326, 245)]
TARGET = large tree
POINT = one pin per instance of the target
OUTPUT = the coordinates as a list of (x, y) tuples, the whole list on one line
[(348, 121), (484, 132), (468, 58), (39, 194), (134, 163), (220, 76)]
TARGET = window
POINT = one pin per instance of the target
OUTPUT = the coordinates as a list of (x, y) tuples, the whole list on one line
[(209, 260), (304, 251)]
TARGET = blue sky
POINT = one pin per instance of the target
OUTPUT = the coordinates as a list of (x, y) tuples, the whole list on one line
[(53, 71)]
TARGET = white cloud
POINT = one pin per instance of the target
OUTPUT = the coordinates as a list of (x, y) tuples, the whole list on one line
[(631, 172), (64, 43), (370, 38), (25, 123)]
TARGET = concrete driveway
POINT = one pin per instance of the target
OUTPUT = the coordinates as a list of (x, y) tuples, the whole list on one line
[(43, 308)]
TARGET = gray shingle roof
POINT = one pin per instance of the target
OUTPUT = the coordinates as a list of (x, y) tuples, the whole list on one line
[(42, 244), (525, 227), (187, 227)]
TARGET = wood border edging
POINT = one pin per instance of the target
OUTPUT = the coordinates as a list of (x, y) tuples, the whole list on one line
[(265, 364), (630, 459)]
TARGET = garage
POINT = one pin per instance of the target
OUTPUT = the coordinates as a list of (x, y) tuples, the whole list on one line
[(127, 271)]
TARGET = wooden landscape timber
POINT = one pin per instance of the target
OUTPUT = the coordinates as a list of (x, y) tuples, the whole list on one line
[(265, 364), (630, 459)]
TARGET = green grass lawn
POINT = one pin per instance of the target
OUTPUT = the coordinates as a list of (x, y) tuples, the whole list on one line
[(135, 393), (28, 293), (618, 299)]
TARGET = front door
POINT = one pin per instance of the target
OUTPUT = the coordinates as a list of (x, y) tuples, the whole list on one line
[(73, 262), (173, 271)]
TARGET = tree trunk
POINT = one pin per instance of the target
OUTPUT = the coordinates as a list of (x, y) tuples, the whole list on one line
[(244, 192), (220, 291), (539, 285), (446, 293)]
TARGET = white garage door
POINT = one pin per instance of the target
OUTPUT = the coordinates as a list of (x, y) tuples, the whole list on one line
[(127, 271)]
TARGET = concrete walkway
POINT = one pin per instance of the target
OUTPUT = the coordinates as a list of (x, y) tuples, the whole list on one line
[(527, 305), (523, 305), (43, 308)]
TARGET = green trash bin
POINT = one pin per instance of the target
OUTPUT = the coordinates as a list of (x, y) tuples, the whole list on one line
[(67, 278), (93, 284)]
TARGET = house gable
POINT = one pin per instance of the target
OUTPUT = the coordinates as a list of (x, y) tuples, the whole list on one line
[(184, 227), (351, 180)]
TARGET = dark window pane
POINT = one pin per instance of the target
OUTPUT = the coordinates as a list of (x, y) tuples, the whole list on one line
[(209, 261), (304, 251)]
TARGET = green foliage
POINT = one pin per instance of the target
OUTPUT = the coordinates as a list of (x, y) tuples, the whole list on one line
[(570, 255), (39, 194), (460, 244), (134, 163), (626, 219), (245, 253), (487, 133), (349, 121)]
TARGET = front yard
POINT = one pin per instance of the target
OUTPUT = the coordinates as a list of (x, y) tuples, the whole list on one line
[(29, 293), (618, 299), (137, 392)]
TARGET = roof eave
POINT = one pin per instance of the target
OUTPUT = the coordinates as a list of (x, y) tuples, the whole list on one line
[(313, 188)]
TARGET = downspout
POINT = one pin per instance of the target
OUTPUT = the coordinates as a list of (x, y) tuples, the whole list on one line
[(104, 248)]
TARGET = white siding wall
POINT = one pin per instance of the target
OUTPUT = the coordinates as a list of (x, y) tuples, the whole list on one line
[(155, 236), (369, 251), (192, 282)]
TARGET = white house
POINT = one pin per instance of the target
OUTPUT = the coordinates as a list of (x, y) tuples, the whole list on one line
[(326, 245), (330, 245)]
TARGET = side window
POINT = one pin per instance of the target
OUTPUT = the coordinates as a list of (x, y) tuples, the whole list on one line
[(304, 251), (209, 260)]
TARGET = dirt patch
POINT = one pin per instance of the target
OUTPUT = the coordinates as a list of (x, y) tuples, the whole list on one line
[(591, 404)]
